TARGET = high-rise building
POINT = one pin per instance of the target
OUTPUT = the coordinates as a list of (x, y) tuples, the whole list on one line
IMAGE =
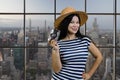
[(0, 71), (18, 54), (5, 67), (94, 33)]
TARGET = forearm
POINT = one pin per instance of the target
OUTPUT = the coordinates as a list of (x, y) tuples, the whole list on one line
[(95, 65), (56, 62)]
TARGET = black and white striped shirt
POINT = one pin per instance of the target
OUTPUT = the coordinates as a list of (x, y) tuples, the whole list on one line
[(73, 55)]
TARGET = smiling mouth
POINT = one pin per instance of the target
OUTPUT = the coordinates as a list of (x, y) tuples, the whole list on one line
[(74, 29)]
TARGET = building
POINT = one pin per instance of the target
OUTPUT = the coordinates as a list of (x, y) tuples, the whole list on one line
[(18, 54)]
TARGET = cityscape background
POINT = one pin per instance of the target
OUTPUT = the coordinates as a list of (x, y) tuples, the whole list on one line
[(26, 24)]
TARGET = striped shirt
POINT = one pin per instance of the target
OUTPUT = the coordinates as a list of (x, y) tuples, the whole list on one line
[(73, 55)]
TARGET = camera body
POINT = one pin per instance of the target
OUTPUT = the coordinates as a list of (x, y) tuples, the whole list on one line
[(53, 34)]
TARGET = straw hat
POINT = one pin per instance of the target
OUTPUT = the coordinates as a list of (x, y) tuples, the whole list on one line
[(67, 11)]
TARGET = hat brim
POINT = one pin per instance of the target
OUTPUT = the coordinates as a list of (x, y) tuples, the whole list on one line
[(83, 18)]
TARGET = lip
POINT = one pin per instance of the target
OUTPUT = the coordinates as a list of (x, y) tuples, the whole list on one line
[(74, 29)]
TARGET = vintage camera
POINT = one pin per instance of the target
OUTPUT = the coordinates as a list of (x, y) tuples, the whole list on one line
[(53, 34)]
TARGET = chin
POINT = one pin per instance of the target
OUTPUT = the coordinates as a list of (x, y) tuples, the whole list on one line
[(73, 32)]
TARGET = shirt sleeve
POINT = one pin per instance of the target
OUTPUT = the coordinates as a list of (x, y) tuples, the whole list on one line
[(88, 41)]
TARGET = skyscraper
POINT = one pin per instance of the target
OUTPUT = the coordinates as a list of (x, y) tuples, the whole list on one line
[(18, 54)]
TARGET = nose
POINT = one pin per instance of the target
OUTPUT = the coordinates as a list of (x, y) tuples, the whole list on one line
[(76, 24)]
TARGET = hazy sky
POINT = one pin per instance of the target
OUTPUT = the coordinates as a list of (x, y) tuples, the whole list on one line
[(47, 6)]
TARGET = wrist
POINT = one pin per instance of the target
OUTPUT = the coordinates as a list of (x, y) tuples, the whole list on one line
[(89, 74), (54, 49)]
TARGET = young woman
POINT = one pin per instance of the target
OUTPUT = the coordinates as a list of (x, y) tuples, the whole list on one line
[(70, 52)]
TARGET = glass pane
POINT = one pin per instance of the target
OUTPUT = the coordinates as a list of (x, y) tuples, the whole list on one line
[(11, 6), (82, 29), (12, 64), (100, 6), (118, 6), (100, 29), (37, 29), (38, 64), (39, 6), (104, 72), (118, 31), (77, 4), (117, 63), (11, 30)]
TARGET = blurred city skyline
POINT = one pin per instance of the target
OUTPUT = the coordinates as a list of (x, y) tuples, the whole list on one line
[(102, 22)]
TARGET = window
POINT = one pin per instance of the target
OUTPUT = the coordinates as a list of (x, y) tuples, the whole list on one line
[(26, 24)]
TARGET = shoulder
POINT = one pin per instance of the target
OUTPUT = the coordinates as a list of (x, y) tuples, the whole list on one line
[(86, 38)]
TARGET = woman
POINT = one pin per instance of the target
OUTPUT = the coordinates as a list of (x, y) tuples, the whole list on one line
[(70, 52)]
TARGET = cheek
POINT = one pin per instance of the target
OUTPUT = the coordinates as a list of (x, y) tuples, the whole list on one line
[(78, 25)]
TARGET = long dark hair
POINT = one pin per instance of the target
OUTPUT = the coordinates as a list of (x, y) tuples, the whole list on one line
[(63, 27)]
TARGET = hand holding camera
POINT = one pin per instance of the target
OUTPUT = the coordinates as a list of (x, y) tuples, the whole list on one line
[(53, 34), (52, 39)]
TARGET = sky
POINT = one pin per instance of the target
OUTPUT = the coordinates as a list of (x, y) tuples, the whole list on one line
[(47, 6)]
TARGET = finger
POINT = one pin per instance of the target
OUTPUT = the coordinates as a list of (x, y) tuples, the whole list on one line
[(83, 75), (51, 42), (54, 42)]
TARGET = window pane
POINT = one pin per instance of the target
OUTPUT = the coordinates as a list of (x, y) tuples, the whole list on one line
[(118, 31), (38, 64), (11, 30), (82, 29), (12, 65), (100, 6), (118, 6), (77, 4), (38, 28), (104, 72), (100, 29), (11, 6), (39, 6)]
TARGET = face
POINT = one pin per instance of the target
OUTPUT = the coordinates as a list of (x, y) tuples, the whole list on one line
[(74, 25)]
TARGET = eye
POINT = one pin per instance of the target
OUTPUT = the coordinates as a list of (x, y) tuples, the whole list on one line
[(77, 22), (72, 22)]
